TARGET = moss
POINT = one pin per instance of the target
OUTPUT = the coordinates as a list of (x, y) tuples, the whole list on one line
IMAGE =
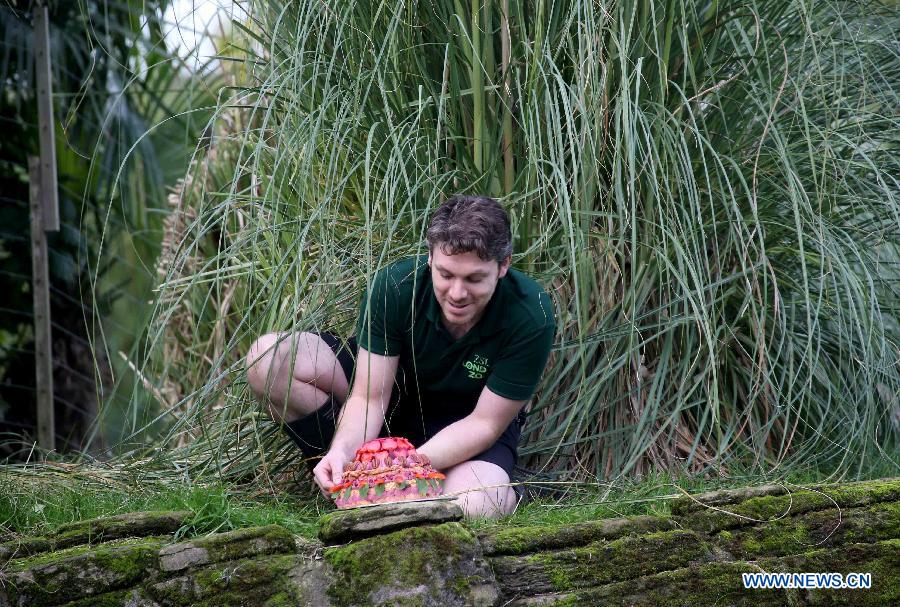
[(282, 599), (521, 540), (47, 558), (24, 546), (751, 546), (696, 584), (601, 562), (250, 581), (462, 583), (271, 539), (243, 574), (41, 559), (109, 599), (138, 524), (819, 529), (563, 600), (420, 565), (73, 573), (721, 584), (879, 559), (770, 508), (687, 504)]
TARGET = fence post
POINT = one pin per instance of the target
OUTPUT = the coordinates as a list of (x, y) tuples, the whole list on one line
[(46, 126), (43, 353)]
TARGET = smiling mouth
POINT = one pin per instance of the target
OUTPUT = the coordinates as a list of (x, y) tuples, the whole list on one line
[(456, 308)]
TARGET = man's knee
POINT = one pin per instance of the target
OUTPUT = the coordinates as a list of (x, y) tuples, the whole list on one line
[(259, 362), (483, 489), (274, 355), (488, 503)]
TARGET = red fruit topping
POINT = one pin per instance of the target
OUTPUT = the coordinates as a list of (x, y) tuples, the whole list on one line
[(391, 461)]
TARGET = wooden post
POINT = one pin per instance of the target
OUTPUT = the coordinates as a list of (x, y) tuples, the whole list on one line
[(43, 353), (44, 218), (46, 127)]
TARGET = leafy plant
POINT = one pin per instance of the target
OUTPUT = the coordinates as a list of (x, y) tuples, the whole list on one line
[(121, 101), (707, 190)]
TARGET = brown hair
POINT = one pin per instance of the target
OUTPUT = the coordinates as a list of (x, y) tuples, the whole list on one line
[(471, 223)]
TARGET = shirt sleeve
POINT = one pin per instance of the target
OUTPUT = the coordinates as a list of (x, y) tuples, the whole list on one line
[(518, 371), (377, 326)]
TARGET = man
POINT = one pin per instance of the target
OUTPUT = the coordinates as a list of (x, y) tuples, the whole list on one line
[(449, 348)]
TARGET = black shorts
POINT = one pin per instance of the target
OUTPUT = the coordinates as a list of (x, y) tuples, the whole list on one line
[(405, 418)]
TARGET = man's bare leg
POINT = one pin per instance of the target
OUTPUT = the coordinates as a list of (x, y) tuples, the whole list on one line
[(294, 374), (483, 489)]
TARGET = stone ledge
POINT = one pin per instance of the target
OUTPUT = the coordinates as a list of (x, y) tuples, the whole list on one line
[(343, 525), (96, 531), (720, 583), (695, 557)]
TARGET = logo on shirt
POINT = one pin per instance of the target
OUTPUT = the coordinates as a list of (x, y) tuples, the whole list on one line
[(476, 367)]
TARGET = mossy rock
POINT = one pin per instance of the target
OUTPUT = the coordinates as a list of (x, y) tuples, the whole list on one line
[(135, 597), (96, 531), (720, 583), (440, 565), (601, 562), (23, 547), (694, 558), (771, 508), (133, 524), (357, 523), (706, 584), (695, 503), (813, 530), (523, 540), (881, 559), (247, 581), (231, 545), (83, 571)]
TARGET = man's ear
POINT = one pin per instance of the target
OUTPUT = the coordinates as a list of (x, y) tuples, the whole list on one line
[(504, 266)]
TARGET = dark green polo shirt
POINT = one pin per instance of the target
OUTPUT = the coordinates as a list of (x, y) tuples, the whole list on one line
[(506, 350)]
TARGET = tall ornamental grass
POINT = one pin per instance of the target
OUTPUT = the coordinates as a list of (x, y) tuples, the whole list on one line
[(708, 190)]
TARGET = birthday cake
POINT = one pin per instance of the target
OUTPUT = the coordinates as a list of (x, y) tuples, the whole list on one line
[(386, 470)]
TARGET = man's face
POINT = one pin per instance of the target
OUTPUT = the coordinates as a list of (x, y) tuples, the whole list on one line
[(463, 285)]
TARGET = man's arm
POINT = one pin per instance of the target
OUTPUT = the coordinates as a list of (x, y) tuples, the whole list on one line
[(471, 435), (361, 416)]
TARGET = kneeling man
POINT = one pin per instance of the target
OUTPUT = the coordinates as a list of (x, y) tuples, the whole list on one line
[(448, 349)]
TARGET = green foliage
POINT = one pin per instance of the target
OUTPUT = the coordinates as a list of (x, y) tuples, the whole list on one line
[(127, 119), (708, 191), (40, 501)]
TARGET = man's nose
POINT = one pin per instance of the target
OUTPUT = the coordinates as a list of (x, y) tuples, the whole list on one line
[(457, 291)]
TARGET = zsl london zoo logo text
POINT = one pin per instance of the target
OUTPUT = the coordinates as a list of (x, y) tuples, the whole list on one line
[(476, 367)]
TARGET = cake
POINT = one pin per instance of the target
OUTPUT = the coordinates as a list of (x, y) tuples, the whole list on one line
[(386, 470)]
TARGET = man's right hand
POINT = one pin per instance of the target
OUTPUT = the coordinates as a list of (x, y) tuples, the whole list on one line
[(329, 469)]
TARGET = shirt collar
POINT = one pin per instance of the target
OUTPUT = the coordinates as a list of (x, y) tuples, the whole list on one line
[(491, 322)]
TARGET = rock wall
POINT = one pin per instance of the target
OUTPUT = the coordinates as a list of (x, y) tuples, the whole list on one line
[(387, 556)]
